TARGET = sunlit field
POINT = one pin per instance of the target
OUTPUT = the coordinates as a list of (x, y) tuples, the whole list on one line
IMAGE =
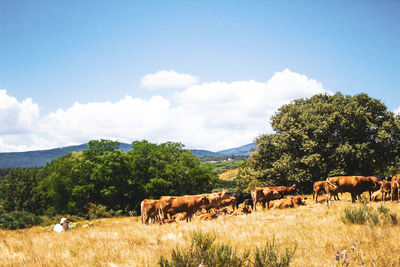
[(229, 175), (316, 230)]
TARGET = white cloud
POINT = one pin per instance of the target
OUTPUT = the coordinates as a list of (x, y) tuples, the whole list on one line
[(214, 116), (168, 79), (397, 111), (16, 117)]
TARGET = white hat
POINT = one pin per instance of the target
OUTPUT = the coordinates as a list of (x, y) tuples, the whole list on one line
[(63, 220)]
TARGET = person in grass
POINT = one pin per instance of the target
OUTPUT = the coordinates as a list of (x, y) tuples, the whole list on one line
[(63, 226)]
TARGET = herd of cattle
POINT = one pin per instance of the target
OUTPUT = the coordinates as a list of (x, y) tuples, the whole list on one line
[(169, 209)]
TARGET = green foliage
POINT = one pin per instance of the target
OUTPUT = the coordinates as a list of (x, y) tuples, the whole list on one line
[(17, 190), (19, 220), (204, 251), (98, 211), (221, 158), (322, 136), (382, 208), (226, 165), (365, 214), (269, 256)]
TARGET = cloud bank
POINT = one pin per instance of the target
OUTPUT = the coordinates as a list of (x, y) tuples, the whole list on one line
[(214, 116), (168, 79)]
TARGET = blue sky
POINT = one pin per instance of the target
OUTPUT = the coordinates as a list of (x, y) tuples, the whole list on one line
[(87, 52)]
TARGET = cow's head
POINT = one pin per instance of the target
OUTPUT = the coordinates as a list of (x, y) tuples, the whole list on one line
[(224, 194), (294, 188), (204, 199)]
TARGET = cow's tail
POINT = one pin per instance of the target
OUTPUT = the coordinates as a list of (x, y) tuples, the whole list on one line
[(334, 186)]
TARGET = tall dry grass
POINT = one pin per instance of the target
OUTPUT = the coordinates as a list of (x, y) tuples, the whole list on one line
[(317, 230)]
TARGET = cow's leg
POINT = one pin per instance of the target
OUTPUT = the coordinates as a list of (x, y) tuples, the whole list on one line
[(263, 204), (353, 197)]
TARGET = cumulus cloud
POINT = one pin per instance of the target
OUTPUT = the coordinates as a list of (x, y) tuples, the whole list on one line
[(214, 116), (397, 111), (16, 117), (168, 79)]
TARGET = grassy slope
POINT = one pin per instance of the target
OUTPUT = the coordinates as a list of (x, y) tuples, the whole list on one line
[(229, 175), (316, 229)]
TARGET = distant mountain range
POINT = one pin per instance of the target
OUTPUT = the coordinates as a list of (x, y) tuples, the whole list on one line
[(40, 157)]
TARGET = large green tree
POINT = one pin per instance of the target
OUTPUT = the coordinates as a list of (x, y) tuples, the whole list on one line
[(103, 174), (322, 136)]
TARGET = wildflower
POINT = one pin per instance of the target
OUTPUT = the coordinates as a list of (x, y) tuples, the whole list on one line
[(354, 244), (337, 251), (353, 248), (337, 257)]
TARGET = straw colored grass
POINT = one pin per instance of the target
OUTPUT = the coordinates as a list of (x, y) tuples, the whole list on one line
[(229, 175), (317, 230)]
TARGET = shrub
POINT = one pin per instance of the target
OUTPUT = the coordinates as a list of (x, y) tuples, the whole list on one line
[(19, 220), (364, 214), (96, 211), (358, 215), (269, 256), (203, 251), (382, 208)]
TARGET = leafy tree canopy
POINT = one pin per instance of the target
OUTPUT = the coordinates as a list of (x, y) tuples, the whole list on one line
[(322, 136)]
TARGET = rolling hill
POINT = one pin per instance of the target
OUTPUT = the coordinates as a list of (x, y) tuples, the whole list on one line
[(40, 157)]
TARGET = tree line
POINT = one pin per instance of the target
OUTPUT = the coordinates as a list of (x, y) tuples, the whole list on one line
[(104, 175)]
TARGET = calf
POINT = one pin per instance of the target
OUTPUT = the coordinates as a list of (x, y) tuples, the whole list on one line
[(289, 202)]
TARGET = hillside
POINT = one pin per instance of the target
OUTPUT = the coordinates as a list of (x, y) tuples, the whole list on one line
[(40, 157)]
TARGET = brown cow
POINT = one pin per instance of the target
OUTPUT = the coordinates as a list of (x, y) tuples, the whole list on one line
[(179, 216), (289, 202), (208, 216), (395, 187), (215, 200), (242, 210), (385, 190), (173, 205), (355, 185), (231, 201), (285, 190), (149, 210), (319, 188), (263, 195)]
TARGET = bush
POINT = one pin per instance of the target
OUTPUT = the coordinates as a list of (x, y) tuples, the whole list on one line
[(270, 257), (19, 220), (364, 214), (96, 211), (383, 208), (203, 251)]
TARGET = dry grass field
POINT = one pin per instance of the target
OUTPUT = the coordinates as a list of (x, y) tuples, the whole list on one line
[(229, 175), (316, 229)]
